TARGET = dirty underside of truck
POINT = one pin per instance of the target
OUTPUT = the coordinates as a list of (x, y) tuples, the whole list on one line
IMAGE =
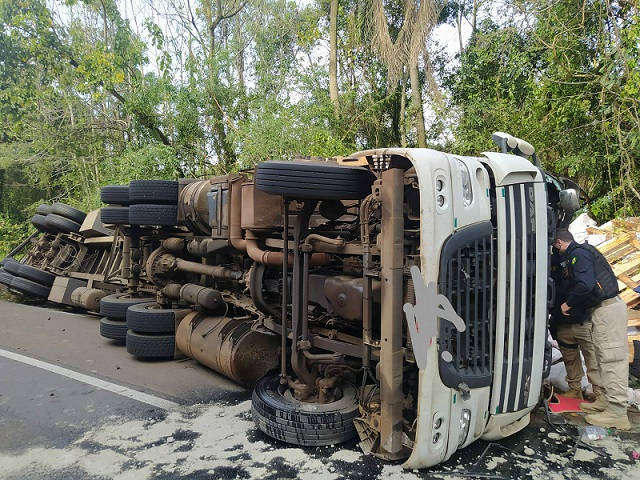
[(396, 294)]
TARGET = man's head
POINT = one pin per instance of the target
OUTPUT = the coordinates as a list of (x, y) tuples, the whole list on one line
[(563, 240)]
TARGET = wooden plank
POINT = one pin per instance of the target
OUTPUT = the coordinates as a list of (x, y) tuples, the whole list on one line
[(633, 314), (628, 266), (612, 245), (627, 280), (620, 254)]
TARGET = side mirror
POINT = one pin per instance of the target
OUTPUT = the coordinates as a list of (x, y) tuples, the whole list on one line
[(504, 141), (569, 200)]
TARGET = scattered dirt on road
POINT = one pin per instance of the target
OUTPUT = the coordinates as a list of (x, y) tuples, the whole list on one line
[(221, 441)]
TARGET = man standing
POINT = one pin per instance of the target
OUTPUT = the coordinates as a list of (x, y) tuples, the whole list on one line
[(573, 334), (595, 286)]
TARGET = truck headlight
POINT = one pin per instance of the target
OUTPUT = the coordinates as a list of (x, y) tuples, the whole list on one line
[(465, 423), (465, 181)]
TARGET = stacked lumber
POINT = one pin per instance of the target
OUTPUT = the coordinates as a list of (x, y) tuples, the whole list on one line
[(622, 250)]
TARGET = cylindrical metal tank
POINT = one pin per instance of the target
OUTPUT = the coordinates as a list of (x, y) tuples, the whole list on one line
[(228, 346)]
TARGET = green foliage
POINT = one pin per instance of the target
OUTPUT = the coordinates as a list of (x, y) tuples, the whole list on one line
[(87, 99), (11, 234), (152, 161)]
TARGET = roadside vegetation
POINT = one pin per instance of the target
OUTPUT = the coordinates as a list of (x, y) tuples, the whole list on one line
[(101, 92)]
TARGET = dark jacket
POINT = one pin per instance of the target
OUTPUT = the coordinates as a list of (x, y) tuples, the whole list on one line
[(592, 276)]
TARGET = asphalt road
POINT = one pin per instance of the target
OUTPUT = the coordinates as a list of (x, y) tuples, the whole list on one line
[(74, 405)]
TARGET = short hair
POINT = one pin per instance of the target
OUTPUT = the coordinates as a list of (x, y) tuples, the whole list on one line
[(564, 235)]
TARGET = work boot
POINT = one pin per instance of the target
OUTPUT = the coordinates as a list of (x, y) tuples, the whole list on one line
[(574, 392), (609, 419), (600, 405)]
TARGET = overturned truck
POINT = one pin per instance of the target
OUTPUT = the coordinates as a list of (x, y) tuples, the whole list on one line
[(395, 294)]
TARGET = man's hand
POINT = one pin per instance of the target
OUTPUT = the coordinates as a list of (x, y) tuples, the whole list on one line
[(565, 309)]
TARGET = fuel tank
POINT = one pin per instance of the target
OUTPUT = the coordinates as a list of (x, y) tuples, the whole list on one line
[(228, 345)]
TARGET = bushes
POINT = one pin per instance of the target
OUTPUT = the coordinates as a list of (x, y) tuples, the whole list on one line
[(11, 234)]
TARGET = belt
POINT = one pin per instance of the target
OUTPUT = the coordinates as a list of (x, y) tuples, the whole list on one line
[(609, 301)]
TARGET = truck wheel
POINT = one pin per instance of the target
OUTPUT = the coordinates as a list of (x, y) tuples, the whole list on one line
[(153, 191), (313, 180), (152, 318), (5, 278), (43, 209), (30, 288), (115, 306), (114, 215), (115, 194), (36, 275), (58, 223), (151, 346), (113, 329), (11, 265), (278, 414), (67, 211), (40, 222), (153, 215)]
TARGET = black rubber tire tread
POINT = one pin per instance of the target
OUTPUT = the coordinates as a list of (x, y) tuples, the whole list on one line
[(163, 192), (58, 223), (30, 288), (40, 222), (114, 215), (153, 215), (313, 180), (11, 265), (43, 209), (115, 194), (299, 423), (151, 346), (113, 329), (152, 318), (5, 278), (36, 275), (67, 211), (115, 306)]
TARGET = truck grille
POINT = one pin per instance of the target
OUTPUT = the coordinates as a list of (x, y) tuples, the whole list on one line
[(516, 334), (467, 280)]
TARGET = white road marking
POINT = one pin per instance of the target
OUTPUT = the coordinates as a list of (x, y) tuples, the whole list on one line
[(96, 382)]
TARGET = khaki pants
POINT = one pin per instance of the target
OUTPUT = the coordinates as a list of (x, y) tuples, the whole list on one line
[(579, 336), (609, 332)]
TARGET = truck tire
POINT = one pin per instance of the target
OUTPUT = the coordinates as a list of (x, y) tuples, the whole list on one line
[(163, 192), (152, 318), (58, 223), (115, 306), (43, 209), (278, 414), (11, 265), (313, 180), (153, 215), (36, 275), (5, 278), (114, 215), (67, 211), (115, 194), (30, 288), (113, 329), (151, 346), (40, 222)]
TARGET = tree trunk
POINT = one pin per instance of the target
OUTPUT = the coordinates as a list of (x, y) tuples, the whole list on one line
[(416, 101), (403, 110), (333, 55)]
